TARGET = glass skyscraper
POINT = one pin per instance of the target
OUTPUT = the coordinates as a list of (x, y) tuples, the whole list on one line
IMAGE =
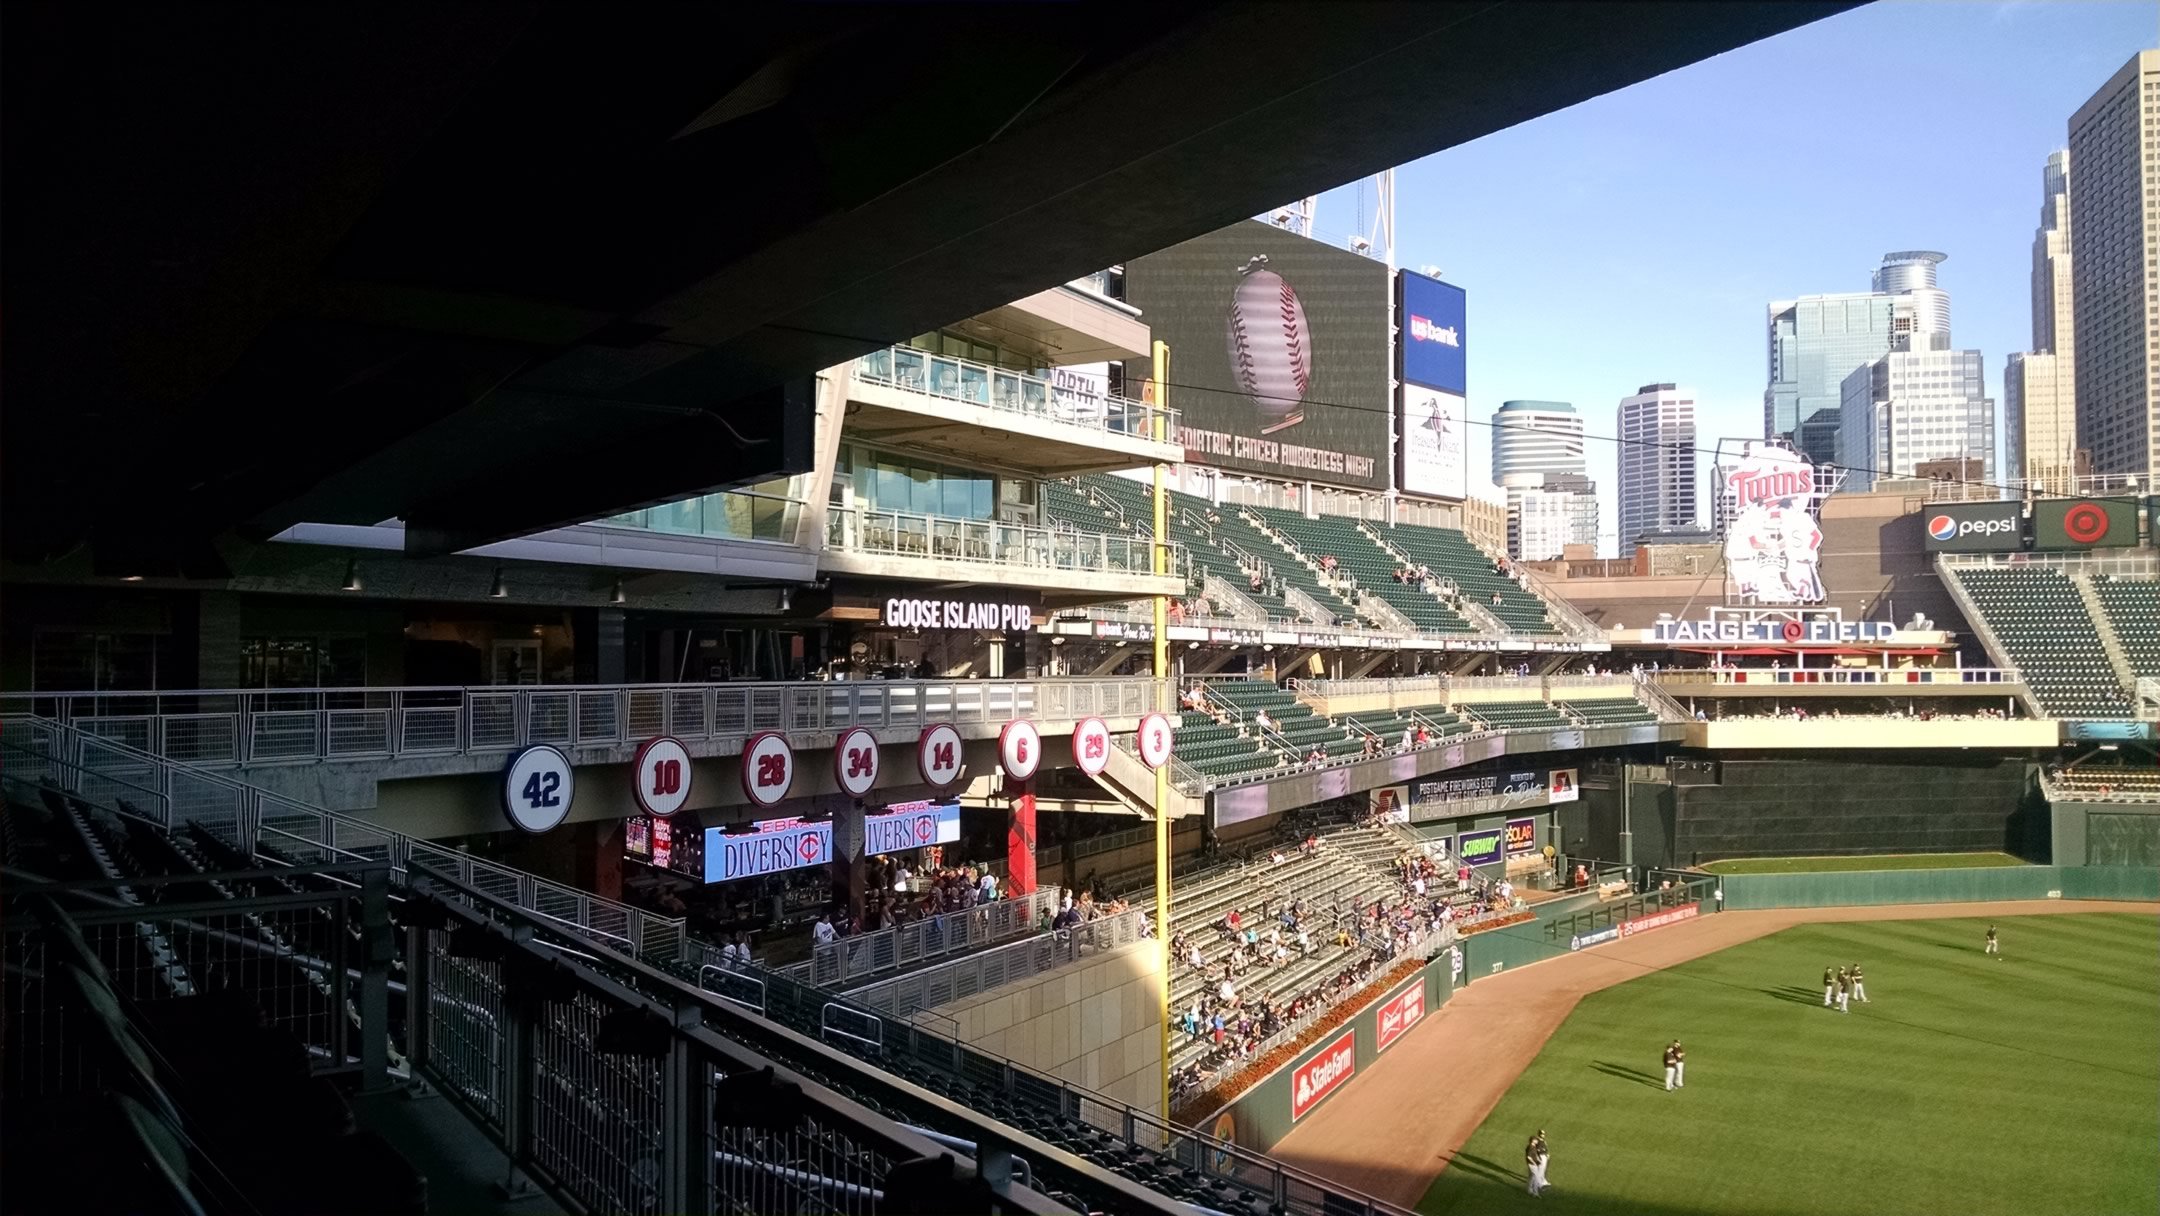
[(1817, 341)]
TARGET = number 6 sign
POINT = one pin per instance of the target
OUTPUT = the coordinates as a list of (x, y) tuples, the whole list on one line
[(855, 761), (938, 755), (768, 768), (662, 774), (537, 784), (1155, 740), (1020, 749)]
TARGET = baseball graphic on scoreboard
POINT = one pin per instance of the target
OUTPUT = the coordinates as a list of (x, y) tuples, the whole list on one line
[(1270, 345)]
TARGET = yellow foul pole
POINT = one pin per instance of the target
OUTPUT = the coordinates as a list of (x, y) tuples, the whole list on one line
[(1166, 701)]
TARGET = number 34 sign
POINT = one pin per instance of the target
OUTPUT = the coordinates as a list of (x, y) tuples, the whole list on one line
[(537, 785)]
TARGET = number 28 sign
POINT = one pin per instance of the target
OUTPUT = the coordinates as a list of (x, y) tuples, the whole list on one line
[(1155, 740), (768, 768), (537, 784), (938, 755), (855, 761)]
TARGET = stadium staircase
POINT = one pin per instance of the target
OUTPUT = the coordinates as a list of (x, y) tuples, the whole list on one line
[(2130, 616)]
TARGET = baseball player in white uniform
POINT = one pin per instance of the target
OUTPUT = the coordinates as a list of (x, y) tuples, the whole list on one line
[(1859, 987)]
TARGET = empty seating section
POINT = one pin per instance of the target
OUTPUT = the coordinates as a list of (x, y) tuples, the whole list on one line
[(1609, 711), (2118, 782), (1374, 568), (1238, 530), (1450, 555), (1219, 752), (2040, 619), (1062, 504), (2133, 608), (1519, 715), (1289, 717), (1390, 726)]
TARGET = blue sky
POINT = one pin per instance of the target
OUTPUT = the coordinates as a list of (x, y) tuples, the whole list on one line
[(1638, 237)]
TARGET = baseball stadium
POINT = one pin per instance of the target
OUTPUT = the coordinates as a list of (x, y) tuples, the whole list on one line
[(973, 682)]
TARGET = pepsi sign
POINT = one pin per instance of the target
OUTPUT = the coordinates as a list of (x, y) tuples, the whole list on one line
[(1973, 527)]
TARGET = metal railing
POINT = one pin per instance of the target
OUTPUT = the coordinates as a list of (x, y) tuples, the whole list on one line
[(1703, 678), (1030, 396), (850, 959), (987, 970), (2143, 563), (860, 530), (258, 726), (251, 819)]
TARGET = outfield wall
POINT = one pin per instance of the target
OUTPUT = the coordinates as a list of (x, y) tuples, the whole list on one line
[(1855, 804), (2105, 834), (1977, 885)]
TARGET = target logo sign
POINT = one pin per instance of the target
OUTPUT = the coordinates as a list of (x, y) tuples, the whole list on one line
[(1020, 749), (2086, 523), (855, 761), (1091, 745), (768, 768), (937, 754), (1156, 740), (661, 774), (1793, 631)]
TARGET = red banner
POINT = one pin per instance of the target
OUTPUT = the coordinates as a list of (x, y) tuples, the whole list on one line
[(1658, 920), (1401, 1013), (1316, 1078), (1020, 845)]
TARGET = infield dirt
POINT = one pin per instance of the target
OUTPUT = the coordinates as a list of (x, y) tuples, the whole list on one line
[(1398, 1124)]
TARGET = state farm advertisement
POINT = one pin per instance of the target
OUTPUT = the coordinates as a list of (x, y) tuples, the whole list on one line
[(1318, 1077), (1659, 920), (1401, 1013)]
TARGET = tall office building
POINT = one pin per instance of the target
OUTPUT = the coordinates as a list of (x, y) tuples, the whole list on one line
[(1657, 462), (2115, 214), (1817, 341), (1537, 461), (2039, 385), (1910, 407)]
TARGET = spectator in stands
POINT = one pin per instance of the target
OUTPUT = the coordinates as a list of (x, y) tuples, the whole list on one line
[(1263, 721), (1328, 562), (822, 933), (1227, 992), (1256, 582), (1068, 915)]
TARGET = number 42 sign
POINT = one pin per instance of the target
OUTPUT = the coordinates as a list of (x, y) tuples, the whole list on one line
[(537, 785)]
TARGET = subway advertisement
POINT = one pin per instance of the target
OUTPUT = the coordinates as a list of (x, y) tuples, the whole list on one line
[(1973, 527), (1279, 358), (2085, 523)]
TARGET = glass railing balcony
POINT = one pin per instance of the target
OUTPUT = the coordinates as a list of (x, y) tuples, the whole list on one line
[(856, 530), (1031, 395)]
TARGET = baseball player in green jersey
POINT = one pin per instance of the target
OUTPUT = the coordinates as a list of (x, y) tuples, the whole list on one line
[(1993, 947), (1859, 987), (1844, 991), (1534, 1158), (1829, 986)]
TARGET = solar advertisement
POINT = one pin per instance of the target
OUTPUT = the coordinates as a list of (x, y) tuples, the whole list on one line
[(1279, 353)]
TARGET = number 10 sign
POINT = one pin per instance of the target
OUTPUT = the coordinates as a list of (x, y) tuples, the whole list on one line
[(537, 785), (662, 774)]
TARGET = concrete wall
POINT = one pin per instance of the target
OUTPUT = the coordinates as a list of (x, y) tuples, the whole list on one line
[(1097, 1024), (1843, 734)]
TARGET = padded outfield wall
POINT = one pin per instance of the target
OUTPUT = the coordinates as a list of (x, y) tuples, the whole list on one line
[(1981, 884)]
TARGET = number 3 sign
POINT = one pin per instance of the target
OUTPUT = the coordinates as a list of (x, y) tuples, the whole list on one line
[(537, 785), (855, 761), (662, 773), (768, 768), (938, 755), (1155, 740), (1020, 749)]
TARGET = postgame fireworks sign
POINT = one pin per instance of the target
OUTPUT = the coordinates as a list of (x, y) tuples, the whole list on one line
[(1279, 353)]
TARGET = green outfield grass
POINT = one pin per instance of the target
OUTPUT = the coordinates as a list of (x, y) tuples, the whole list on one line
[(1883, 861), (1969, 1085)]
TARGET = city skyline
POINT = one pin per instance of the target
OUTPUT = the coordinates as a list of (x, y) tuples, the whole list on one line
[(1670, 284)]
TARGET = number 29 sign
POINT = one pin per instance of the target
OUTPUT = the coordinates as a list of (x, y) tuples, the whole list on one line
[(768, 768), (537, 785)]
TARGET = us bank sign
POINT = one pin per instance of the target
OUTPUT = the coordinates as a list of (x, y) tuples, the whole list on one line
[(1773, 633)]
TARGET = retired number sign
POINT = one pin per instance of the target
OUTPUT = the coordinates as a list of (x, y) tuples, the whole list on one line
[(938, 755), (1155, 740), (537, 785), (662, 774), (768, 768), (1020, 749), (855, 761), (1091, 745)]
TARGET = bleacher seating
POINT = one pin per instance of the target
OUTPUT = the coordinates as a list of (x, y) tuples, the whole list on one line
[(1238, 530), (1293, 719), (2133, 609), (2039, 617), (1608, 711), (1450, 555), (2117, 782), (1374, 568), (1518, 715)]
